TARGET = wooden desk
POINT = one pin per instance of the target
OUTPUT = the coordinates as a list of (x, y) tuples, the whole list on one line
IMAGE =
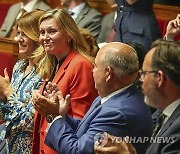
[(8, 46)]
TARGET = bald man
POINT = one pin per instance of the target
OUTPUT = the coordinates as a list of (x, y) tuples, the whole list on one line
[(119, 109)]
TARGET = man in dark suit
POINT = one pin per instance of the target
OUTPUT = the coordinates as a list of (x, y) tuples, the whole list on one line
[(161, 86), (15, 11), (84, 15), (119, 109)]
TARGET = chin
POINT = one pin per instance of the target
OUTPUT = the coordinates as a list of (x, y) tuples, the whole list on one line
[(22, 51), (149, 102)]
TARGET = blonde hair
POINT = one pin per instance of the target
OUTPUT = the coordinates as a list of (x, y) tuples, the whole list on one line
[(90, 41), (66, 24), (29, 23)]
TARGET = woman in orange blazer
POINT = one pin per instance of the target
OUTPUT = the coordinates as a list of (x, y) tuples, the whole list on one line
[(72, 71)]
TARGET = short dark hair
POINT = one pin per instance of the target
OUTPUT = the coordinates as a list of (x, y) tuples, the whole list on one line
[(167, 58)]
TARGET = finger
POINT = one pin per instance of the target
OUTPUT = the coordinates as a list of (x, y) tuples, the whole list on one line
[(67, 100), (129, 146), (6, 74), (107, 150), (46, 94)]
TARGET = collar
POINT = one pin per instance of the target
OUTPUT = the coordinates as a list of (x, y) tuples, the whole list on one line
[(77, 10), (104, 99), (168, 111), (29, 6)]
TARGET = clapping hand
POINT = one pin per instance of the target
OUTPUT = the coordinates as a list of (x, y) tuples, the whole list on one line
[(173, 28), (47, 104), (5, 88), (113, 145), (54, 93)]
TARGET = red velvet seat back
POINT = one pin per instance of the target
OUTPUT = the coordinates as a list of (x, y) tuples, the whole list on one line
[(6, 61), (3, 9)]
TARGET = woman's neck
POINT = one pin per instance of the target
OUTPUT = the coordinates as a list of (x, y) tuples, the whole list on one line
[(63, 54)]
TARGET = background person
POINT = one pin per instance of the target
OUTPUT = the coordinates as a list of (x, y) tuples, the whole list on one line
[(84, 16), (90, 41), (136, 22), (173, 28), (15, 11)]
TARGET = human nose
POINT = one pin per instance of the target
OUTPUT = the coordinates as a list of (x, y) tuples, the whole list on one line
[(20, 38), (46, 35)]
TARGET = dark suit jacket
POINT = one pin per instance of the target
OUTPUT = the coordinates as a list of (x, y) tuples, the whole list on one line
[(90, 19), (11, 16), (170, 129), (124, 114), (138, 26)]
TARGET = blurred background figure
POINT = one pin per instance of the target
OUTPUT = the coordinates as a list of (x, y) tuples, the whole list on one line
[(84, 15), (173, 28), (16, 109), (8, 28), (107, 32), (90, 41), (136, 22)]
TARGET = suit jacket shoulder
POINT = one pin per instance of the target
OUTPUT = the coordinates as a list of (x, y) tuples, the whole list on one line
[(10, 20), (42, 5), (90, 19)]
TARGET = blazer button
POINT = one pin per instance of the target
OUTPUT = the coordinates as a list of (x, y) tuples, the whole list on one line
[(42, 151)]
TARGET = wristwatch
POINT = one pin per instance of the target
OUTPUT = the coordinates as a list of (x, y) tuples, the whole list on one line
[(49, 118)]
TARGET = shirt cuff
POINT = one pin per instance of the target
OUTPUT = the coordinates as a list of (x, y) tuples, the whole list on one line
[(49, 124)]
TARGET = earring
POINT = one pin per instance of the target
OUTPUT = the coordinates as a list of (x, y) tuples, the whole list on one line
[(69, 40)]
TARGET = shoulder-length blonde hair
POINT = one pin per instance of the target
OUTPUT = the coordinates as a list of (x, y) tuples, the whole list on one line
[(29, 23), (67, 24)]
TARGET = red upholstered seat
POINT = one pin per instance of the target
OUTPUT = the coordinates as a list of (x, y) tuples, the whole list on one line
[(162, 25), (3, 9), (6, 61)]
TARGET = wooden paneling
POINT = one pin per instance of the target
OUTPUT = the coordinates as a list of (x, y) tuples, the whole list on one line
[(101, 5), (165, 12), (9, 46)]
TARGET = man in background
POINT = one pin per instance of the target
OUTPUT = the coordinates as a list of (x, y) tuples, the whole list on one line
[(84, 15), (15, 11)]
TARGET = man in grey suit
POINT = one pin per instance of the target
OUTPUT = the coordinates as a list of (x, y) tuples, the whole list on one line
[(15, 11), (106, 27), (161, 86), (84, 15)]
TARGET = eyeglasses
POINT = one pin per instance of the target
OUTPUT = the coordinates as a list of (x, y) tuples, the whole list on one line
[(143, 73)]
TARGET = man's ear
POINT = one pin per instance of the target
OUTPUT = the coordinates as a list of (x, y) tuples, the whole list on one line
[(162, 78), (109, 73)]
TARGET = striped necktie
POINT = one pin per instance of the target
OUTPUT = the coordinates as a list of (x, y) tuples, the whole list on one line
[(158, 124)]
